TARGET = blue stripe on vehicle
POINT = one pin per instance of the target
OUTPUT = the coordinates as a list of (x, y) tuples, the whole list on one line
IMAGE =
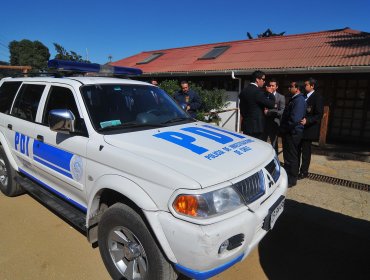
[(209, 273), (61, 171), (53, 155), (67, 199)]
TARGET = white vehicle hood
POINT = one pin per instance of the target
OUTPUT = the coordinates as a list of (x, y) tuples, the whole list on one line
[(205, 153)]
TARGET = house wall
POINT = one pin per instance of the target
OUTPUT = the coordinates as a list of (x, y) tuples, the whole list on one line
[(229, 119)]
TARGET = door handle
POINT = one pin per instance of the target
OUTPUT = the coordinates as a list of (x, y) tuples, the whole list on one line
[(40, 138), (10, 126)]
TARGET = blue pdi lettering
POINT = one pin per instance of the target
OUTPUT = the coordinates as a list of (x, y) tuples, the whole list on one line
[(186, 141), (237, 135), (220, 138), (21, 143), (182, 140)]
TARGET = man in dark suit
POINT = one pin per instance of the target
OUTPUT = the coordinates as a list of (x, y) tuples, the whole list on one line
[(273, 116), (292, 131), (311, 122), (253, 101)]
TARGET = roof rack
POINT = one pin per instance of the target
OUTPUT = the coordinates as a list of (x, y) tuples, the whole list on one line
[(37, 74), (83, 67)]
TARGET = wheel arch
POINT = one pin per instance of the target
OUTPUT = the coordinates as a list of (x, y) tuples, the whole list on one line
[(113, 189), (6, 148)]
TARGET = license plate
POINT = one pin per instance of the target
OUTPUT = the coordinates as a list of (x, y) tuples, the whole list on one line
[(274, 213)]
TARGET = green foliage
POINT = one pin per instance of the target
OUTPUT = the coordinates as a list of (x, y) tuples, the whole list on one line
[(212, 100), (26, 52), (170, 86), (63, 54)]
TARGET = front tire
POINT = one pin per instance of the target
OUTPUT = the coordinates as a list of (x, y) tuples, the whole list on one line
[(8, 185), (127, 247)]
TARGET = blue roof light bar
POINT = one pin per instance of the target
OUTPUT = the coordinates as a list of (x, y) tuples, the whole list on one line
[(83, 67)]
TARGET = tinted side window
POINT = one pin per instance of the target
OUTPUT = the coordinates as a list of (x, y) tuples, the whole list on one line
[(7, 93), (27, 101), (59, 98)]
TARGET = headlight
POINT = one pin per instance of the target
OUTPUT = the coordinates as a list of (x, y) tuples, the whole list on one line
[(207, 204), (276, 174)]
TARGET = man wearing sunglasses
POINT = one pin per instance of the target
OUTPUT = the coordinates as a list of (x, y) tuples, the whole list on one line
[(253, 101)]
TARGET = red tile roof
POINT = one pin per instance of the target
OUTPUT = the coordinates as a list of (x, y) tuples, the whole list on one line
[(334, 48)]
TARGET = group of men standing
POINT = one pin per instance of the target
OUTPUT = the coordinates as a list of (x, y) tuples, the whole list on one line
[(266, 115)]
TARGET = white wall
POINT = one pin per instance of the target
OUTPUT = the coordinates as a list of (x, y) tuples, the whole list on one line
[(229, 119)]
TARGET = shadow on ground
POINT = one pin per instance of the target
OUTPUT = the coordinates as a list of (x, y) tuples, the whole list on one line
[(313, 243)]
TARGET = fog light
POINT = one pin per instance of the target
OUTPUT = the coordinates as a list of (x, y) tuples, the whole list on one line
[(223, 246)]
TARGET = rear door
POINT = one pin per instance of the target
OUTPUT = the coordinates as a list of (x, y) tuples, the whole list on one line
[(20, 125)]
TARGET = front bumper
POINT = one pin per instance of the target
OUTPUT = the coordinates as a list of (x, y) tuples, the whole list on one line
[(196, 247)]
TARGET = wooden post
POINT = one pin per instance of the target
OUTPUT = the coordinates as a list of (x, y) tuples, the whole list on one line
[(324, 126)]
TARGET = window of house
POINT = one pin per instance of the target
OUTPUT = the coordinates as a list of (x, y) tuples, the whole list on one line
[(348, 113), (27, 102), (7, 92), (150, 58), (215, 52)]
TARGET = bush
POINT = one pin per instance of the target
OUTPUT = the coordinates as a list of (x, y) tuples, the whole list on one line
[(170, 86)]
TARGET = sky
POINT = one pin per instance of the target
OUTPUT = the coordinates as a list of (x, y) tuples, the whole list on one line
[(121, 28)]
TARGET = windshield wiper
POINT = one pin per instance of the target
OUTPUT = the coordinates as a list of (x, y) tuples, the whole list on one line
[(130, 125), (177, 120)]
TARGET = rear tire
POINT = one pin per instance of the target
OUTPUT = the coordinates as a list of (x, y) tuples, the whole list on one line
[(8, 185), (127, 247)]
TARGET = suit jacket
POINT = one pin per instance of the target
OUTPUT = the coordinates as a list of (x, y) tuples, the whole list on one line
[(275, 114), (293, 114), (314, 112), (252, 103)]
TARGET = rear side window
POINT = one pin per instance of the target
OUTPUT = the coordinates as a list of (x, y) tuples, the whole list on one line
[(7, 93), (27, 101)]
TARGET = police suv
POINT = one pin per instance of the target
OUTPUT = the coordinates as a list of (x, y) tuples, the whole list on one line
[(160, 193)]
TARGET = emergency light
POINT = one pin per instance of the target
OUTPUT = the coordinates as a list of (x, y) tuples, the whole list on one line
[(83, 67)]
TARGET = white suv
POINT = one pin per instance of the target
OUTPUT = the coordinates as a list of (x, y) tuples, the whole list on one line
[(159, 192)]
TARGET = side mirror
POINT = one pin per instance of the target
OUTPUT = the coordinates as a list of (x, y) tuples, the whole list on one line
[(62, 120)]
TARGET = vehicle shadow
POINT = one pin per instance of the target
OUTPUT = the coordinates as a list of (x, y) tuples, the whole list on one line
[(313, 243)]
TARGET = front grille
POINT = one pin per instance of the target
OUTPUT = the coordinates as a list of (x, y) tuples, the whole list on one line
[(252, 187), (274, 169)]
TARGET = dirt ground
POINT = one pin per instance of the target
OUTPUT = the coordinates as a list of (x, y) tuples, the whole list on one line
[(37, 244), (308, 242)]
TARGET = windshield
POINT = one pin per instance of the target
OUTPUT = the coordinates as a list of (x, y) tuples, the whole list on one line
[(118, 106)]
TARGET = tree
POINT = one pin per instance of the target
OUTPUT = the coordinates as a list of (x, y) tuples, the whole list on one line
[(26, 52), (267, 33), (63, 54)]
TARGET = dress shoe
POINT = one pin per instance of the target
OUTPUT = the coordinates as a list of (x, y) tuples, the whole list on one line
[(302, 176), (291, 185)]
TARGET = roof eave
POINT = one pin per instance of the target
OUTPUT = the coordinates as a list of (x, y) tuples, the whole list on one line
[(303, 70)]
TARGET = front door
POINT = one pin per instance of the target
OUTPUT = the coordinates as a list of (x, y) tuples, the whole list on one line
[(60, 159)]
